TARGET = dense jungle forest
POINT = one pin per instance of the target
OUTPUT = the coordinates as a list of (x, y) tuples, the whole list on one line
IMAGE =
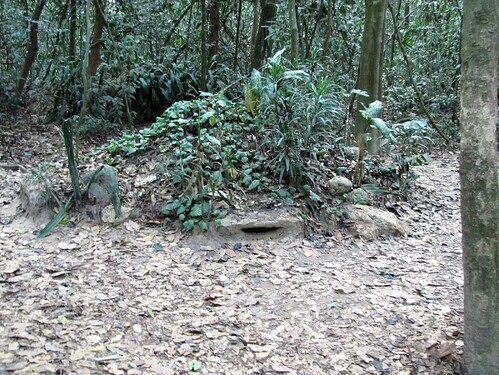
[(177, 116)]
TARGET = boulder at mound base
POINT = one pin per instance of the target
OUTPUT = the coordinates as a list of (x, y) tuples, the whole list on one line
[(249, 226), (339, 185), (371, 222), (261, 225)]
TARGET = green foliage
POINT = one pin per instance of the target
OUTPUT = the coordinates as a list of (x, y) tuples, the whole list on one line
[(405, 143), (123, 94), (432, 39), (299, 116), (210, 143)]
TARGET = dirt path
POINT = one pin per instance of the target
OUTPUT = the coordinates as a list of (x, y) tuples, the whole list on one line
[(131, 300)]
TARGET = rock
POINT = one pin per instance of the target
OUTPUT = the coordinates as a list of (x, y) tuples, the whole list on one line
[(339, 185), (261, 225), (371, 222), (352, 153), (358, 196), (245, 227), (102, 191), (36, 198)]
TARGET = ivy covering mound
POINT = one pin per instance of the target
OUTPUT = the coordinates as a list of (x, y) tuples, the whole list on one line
[(211, 143), (214, 148)]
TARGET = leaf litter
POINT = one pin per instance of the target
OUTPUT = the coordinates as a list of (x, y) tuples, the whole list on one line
[(132, 300)]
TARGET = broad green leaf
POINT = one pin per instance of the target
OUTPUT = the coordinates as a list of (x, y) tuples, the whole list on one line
[(203, 225), (315, 197), (188, 225), (276, 59), (197, 210), (181, 210), (194, 365), (296, 74), (384, 129), (254, 184), (213, 140), (413, 125), (216, 178), (374, 109)]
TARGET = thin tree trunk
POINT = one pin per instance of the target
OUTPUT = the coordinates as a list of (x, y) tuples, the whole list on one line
[(238, 32), (329, 31), (480, 186), (32, 47), (177, 22), (63, 17), (371, 68), (293, 29), (204, 47), (72, 30), (311, 38), (93, 60), (411, 77), (214, 31), (262, 44), (256, 21)]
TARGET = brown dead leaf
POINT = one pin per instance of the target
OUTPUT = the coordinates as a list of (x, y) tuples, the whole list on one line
[(132, 226), (280, 369)]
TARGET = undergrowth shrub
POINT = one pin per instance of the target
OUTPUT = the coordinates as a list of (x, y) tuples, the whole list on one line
[(119, 95), (287, 148), (215, 146), (300, 115), (404, 145), (211, 144)]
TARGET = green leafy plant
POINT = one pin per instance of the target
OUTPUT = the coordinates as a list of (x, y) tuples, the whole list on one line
[(404, 142), (210, 143), (299, 115)]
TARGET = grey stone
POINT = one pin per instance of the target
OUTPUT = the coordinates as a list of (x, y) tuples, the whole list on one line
[(102, 191), (358, 196), (339, 185), (370, 222), (246, 227), (352, 153), (36, 198)]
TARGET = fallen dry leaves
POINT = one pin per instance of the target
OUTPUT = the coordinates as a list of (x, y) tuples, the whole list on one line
[(133, 300)]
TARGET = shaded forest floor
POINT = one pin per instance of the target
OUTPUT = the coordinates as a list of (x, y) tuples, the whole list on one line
[(133, 300)]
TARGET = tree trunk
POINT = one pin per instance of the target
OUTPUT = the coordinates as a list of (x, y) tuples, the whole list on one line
[(204, 47), (329, 31), (480, 187), (93, 60), (72, 30), (293, 29), (371, 68), (262, 47), (254, 26), (238, 32), (214, 32), (32, 47)]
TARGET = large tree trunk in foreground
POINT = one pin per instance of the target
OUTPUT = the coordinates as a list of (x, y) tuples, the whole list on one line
[(479, 187), (371, 67), (32, 47)]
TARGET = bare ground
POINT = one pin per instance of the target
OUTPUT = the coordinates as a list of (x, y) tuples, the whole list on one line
[(133, 300)]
